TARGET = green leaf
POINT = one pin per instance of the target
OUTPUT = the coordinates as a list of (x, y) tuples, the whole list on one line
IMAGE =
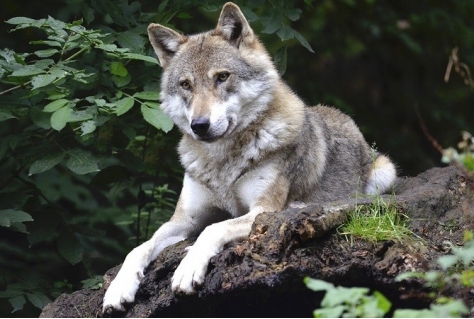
[(107, 47), (14, 290), (131, 40), (447, 261), (281, 60), (55, 105), (20, 20), (124, 105), (70, 248), (57, 25), (121, 81), (117, 68), (451, 309), (156, 117), (42, 80), (100, 102), (83, 115), (60, 118), (147, 95), (318, 285), (38, 299), (9, 216), (46, 53), (17, 303), (413, 313), (409, 275), (162, 5), (184, 15), (303, 41), (88, 127), (40, 118), (46, 42), (341, 295), (89, 14), (45, 163), (382, 302), (432, 276), (19, 227), (82, 162), (272, 21), (19, 58), (249, 14), (27, 70), (8, 55), (95, 282), (334, 312), (293, 14), (285, 33), (6, 115), (467, 256), (135, 56)]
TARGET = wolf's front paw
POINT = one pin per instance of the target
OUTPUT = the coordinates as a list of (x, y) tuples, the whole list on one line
[(122, 290), (190, 272)]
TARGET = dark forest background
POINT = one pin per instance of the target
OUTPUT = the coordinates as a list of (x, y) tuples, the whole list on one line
[(65, 223)]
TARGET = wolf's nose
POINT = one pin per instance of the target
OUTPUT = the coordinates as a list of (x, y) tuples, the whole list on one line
[(200, 126)]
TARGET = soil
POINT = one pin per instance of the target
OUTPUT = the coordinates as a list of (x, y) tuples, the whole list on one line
[(262, 276)]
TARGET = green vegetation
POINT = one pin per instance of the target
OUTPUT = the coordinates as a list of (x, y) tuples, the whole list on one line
[(375, 222), (87, 157), (87, 160), (348, 302), (72, 106), (457, 273), (466, 155)]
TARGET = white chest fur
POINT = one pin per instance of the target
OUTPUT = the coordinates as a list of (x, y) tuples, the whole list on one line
[(234, 181)]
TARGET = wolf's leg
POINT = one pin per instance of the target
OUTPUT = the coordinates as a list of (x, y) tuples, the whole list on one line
[(263, 196), (382, 176), (188, 219)]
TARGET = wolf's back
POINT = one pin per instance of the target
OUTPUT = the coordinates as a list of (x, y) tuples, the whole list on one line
[(331, 159)]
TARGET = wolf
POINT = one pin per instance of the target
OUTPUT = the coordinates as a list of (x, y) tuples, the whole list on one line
[(249, 145)]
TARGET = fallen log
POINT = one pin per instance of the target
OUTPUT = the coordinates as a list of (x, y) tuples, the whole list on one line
[(263, 275)]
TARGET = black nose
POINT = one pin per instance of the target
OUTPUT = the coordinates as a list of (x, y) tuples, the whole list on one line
[(200, 126)]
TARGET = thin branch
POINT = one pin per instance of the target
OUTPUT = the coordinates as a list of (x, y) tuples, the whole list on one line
[(140, 198), (14, 88), (155, 181), (437, 145), (462, 69), (430, 137)]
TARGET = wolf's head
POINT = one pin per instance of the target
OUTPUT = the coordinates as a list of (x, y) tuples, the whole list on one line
[(214, 83)]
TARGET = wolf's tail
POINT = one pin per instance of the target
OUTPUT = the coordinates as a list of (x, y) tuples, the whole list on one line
[(382, 176)]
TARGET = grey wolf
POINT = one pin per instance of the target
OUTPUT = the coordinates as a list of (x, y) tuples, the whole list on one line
[(249, 145)]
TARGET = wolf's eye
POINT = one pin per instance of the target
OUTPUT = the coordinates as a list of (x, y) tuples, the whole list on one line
[(222, 77), (185, 85)]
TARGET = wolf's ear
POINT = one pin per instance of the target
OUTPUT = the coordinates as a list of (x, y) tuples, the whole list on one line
[(165, 42), (233, 26)]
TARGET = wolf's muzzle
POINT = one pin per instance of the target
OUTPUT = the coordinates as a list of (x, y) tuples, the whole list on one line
[(200, 126)]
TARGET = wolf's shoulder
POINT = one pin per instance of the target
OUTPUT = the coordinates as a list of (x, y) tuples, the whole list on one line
[(335, 121), (329, 113)]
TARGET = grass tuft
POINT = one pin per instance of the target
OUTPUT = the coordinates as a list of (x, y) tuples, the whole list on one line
[(375, 222)]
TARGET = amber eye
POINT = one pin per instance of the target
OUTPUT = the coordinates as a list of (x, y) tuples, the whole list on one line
[(185, 85), (222, 77)]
